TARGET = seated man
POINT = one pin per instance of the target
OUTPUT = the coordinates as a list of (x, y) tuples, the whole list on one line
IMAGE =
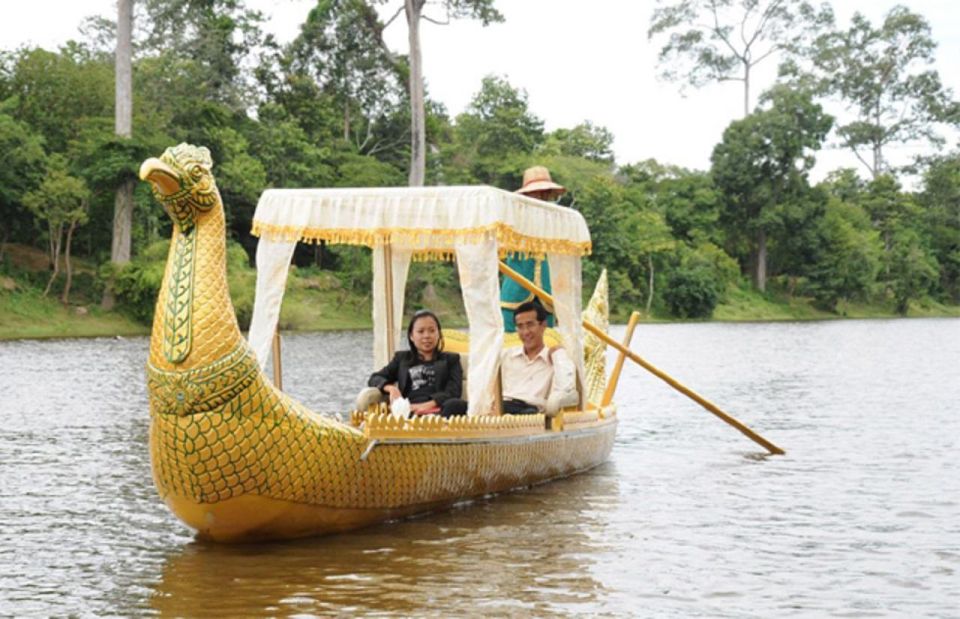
[(534, 373)]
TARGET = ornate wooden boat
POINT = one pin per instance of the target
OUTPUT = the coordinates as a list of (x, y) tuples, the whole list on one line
[(237, 459)]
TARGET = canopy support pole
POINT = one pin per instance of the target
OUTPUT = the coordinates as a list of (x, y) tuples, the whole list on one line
[(710, 406), (388, 292), (277, 363)]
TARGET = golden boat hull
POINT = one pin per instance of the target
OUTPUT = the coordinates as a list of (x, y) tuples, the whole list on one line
[(236, 459), (398, 479)]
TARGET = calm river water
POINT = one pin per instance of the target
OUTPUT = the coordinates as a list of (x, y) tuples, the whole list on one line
[(861, 518)]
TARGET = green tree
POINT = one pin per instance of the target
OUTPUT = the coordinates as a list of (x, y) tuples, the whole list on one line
[(496, 134), (940, 199), (696, 279), (240, 176), (889, 207), (723, 40), (628, 239), (847, 255), (105, 162), (585, 140), (339, 48), (302, 101), (651, 240), (912, 269), (795, 236), (60, 201), (215, 37), (762, 164), (289, 157), (844, 184), (482, 10), (21, 166), (909, 268), (59, 95), (690, 204), (882, 73)]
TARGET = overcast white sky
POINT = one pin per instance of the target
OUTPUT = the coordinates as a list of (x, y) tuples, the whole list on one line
[(576, 60)]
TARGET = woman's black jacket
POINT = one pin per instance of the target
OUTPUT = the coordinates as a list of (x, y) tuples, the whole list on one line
[(449, 375)]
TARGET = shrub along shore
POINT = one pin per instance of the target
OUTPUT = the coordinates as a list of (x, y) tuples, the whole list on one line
[(318, 300)]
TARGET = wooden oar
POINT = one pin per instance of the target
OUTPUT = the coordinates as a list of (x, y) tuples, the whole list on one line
[(710, 406)]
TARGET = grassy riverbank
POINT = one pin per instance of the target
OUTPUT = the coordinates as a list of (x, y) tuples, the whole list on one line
[(24, 313), (317, 300), (748, 305)]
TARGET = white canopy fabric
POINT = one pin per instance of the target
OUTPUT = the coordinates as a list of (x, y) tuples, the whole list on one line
[(431, 220), (476, 225)]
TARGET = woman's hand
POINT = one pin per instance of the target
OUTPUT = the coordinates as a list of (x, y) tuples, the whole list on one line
[(423, 407), (393, 392)]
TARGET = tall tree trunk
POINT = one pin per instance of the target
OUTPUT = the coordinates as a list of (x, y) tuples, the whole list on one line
[(877, 147), (123, 125), (65, 297), (649, 283), (418, 138), (122, 222), (56, 236), (746, 90), (760, 275)]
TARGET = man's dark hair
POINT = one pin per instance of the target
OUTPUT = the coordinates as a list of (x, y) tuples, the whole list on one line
[(542, 312)]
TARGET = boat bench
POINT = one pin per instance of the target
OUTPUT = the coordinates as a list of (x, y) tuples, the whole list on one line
[(370, 396)]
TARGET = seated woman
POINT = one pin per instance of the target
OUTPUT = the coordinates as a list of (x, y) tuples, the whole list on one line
[(430, 378)]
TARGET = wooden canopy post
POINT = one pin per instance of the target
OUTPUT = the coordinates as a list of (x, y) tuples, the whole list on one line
[(710, 406), (277, 362), (388, 291)]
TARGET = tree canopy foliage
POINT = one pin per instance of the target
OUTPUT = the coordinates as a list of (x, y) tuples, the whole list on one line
[(883, 73), (333, 107), (761, 168), (724, 40)]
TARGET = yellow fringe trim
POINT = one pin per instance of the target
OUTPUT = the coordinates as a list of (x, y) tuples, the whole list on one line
[(509, 240)]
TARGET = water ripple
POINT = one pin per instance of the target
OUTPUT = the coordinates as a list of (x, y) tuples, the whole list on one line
[(861, 518)]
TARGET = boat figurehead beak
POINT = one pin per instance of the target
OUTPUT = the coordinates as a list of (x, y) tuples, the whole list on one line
[(163, 178)]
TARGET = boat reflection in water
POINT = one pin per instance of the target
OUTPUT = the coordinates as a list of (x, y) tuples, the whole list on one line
[(528, 551)]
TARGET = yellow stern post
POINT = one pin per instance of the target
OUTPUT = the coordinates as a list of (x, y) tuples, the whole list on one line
[(618, 366)]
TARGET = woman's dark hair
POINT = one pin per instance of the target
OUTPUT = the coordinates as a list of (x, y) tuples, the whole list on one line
[(414, 353)]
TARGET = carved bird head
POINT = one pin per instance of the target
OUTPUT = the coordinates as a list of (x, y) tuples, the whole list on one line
[(182, 182)]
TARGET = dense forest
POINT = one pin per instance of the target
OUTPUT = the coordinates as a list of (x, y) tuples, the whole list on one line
[(335, 107)]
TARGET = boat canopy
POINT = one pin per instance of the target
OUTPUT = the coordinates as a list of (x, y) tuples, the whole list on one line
[(475, 225)]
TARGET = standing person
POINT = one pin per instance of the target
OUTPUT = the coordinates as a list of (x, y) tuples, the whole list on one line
[(536, 378), (537, 184), (430, 378)]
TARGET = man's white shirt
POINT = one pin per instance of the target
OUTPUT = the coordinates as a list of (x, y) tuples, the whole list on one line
[(534, 380)]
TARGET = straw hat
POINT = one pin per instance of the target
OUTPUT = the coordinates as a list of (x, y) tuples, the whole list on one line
[(538, 178)]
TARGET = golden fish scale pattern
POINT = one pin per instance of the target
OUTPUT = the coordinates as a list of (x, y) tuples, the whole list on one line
[(214, 323), (260, 442), (263, 443)]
